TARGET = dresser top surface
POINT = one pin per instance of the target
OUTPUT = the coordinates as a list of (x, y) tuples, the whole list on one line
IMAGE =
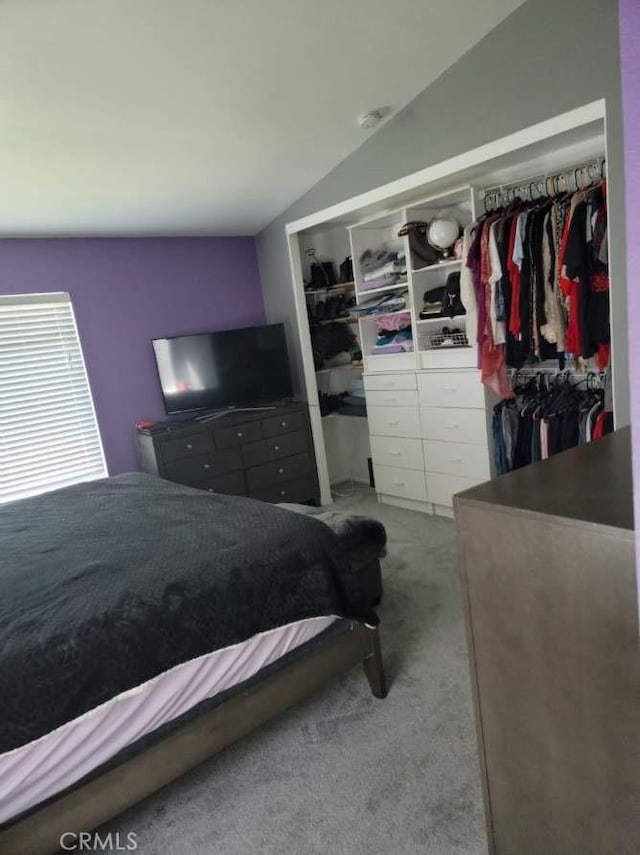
[(228, 419), (591, 483)]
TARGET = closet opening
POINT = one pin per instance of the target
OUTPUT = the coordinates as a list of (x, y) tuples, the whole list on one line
[(426, 376)]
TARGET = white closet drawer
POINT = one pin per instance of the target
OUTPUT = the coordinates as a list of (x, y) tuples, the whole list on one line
[(451, 389), (454, 425), (401, 380), (392, 451), (457, 458), (442, 488), (393, 398), (406, 483), (394, 421)]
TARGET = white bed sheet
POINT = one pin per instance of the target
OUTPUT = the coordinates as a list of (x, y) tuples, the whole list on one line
[(40, 769)]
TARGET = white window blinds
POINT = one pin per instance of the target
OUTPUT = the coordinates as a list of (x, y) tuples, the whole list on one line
[(49, 436)]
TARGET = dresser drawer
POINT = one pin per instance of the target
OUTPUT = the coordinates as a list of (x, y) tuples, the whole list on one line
[(297, 490), (232, 437), (190, 471), (385, 382), (457, 458), (405, 483), (396, 451), (442, 488), (283, 424), (394, 421), (451, 389), (188, 446), (233, 484), (454, 425), (280, 470), (266, 450), (393, 398)]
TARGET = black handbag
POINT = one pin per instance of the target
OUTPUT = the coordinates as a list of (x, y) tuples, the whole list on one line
[(452, 305), (422, 253), (346, 270), (323, 274)]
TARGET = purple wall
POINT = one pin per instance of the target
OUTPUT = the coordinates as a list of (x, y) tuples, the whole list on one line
[(125, 292), (630, 70)]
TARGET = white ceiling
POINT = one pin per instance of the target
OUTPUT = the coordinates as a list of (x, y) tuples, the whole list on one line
[(201, 116)]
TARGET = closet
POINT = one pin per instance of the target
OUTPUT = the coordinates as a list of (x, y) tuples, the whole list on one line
[(415, 353)]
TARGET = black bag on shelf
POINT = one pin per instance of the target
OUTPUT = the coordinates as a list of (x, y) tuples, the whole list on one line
[(329, 340), (323, 274), (422, 253), (346, 270), (451, 303)]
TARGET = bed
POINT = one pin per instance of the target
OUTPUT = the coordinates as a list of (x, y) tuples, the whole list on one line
[(145, 625)]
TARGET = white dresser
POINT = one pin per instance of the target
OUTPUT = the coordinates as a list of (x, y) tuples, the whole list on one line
[(428, 433)]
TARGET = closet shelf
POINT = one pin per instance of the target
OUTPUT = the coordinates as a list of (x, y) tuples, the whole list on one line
[(440, 319), (350, 320), (351, 366), (341, 286), (441, 265), (365, 294), (384, 314)]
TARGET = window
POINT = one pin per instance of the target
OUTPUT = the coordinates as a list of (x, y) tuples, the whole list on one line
[(49, 436)]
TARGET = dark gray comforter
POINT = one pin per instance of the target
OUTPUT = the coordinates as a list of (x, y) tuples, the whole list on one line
[(107, 584)]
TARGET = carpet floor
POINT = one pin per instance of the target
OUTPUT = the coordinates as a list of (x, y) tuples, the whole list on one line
[(343, 772)]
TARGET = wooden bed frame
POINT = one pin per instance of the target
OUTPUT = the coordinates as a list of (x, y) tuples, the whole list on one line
[(100, 799)]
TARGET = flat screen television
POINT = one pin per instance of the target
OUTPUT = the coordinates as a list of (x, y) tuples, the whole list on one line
[(213, 370)]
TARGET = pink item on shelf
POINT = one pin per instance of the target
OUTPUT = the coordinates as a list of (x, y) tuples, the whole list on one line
[(393, 323)]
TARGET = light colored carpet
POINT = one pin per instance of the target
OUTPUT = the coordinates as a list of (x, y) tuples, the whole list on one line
[(345, 773)]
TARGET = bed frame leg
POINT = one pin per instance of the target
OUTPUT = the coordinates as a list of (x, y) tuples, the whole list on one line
[(374, 667)]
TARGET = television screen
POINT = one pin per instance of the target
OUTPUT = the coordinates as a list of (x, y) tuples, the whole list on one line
[(226, 368)]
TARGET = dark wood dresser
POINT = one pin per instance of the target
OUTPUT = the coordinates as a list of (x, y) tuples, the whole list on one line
[(264, 454), (549, 583)]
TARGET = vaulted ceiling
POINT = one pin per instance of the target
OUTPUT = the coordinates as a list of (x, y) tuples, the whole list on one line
[(201, 116)]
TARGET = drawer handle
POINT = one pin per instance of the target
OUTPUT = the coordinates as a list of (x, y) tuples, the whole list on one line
[(276, 448), (189, 446), (283, 424), (395, 453), (206, 466), (453, 426), (281, 471), (455, 460), (240, 434), (283, 492), (209, 489), (450, 388), (394, 422), (390, 400), (398, 483)]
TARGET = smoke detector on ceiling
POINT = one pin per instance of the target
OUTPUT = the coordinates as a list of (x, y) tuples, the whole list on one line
[(370, 119)]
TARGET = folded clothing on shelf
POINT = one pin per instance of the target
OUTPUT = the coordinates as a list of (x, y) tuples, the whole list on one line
[(393, 322), (381, 268), (389, 303), (394, 342), (386, 281)]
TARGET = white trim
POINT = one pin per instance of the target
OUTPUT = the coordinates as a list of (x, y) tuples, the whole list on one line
[(505, 145), (86, 378)]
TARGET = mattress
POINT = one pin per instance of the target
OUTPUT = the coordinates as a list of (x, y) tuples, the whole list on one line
[(106, 585), (38, 770)]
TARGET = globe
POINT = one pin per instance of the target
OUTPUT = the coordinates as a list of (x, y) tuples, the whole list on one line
[(442, 234)]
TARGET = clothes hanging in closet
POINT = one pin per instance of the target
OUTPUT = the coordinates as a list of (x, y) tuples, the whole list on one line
[(541, 421), (537, 274)]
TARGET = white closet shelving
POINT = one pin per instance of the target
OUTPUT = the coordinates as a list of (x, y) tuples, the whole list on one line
[(428, 414)]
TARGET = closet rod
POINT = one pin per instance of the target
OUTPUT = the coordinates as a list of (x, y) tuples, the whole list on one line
[(596, 170)]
